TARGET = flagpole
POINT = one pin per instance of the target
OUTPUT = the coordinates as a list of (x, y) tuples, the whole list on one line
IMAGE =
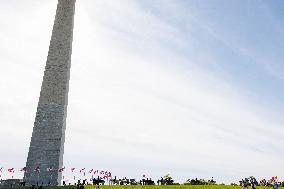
[(37, 178), (73, 169), (1, 169)]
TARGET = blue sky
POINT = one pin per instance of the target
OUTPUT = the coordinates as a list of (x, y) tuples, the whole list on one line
[(189, 88), (244, 38)]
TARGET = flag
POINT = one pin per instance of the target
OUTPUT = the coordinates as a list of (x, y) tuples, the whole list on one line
[(106, 175), (49, 169), (72, 169), (274, 179), (97, 171), (109, 174), (11, 170), (61, 170), (37, 169), (82, 170), (91, 171), (23, 169)]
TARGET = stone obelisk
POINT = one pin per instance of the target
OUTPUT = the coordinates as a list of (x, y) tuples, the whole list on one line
[(45, 157)]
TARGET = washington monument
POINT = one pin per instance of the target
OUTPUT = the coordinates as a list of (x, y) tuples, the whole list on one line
[(45, 157)]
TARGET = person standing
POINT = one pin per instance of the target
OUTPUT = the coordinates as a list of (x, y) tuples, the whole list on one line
[(244, 185), (253, 185), (275, 185)]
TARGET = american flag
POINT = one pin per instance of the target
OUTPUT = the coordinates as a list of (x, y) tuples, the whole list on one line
[(61, 170), (11, 170), (82, 170), (37, 169), (97, 171), (49, 169)]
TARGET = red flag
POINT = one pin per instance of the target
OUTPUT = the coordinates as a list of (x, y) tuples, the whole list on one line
[(11, 170), (72, 169), (82, 170), (106, 175), (61, 170), (23, 169)]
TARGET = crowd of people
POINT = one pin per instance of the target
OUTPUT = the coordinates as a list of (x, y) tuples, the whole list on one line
[(121, 181), (253, 183)]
